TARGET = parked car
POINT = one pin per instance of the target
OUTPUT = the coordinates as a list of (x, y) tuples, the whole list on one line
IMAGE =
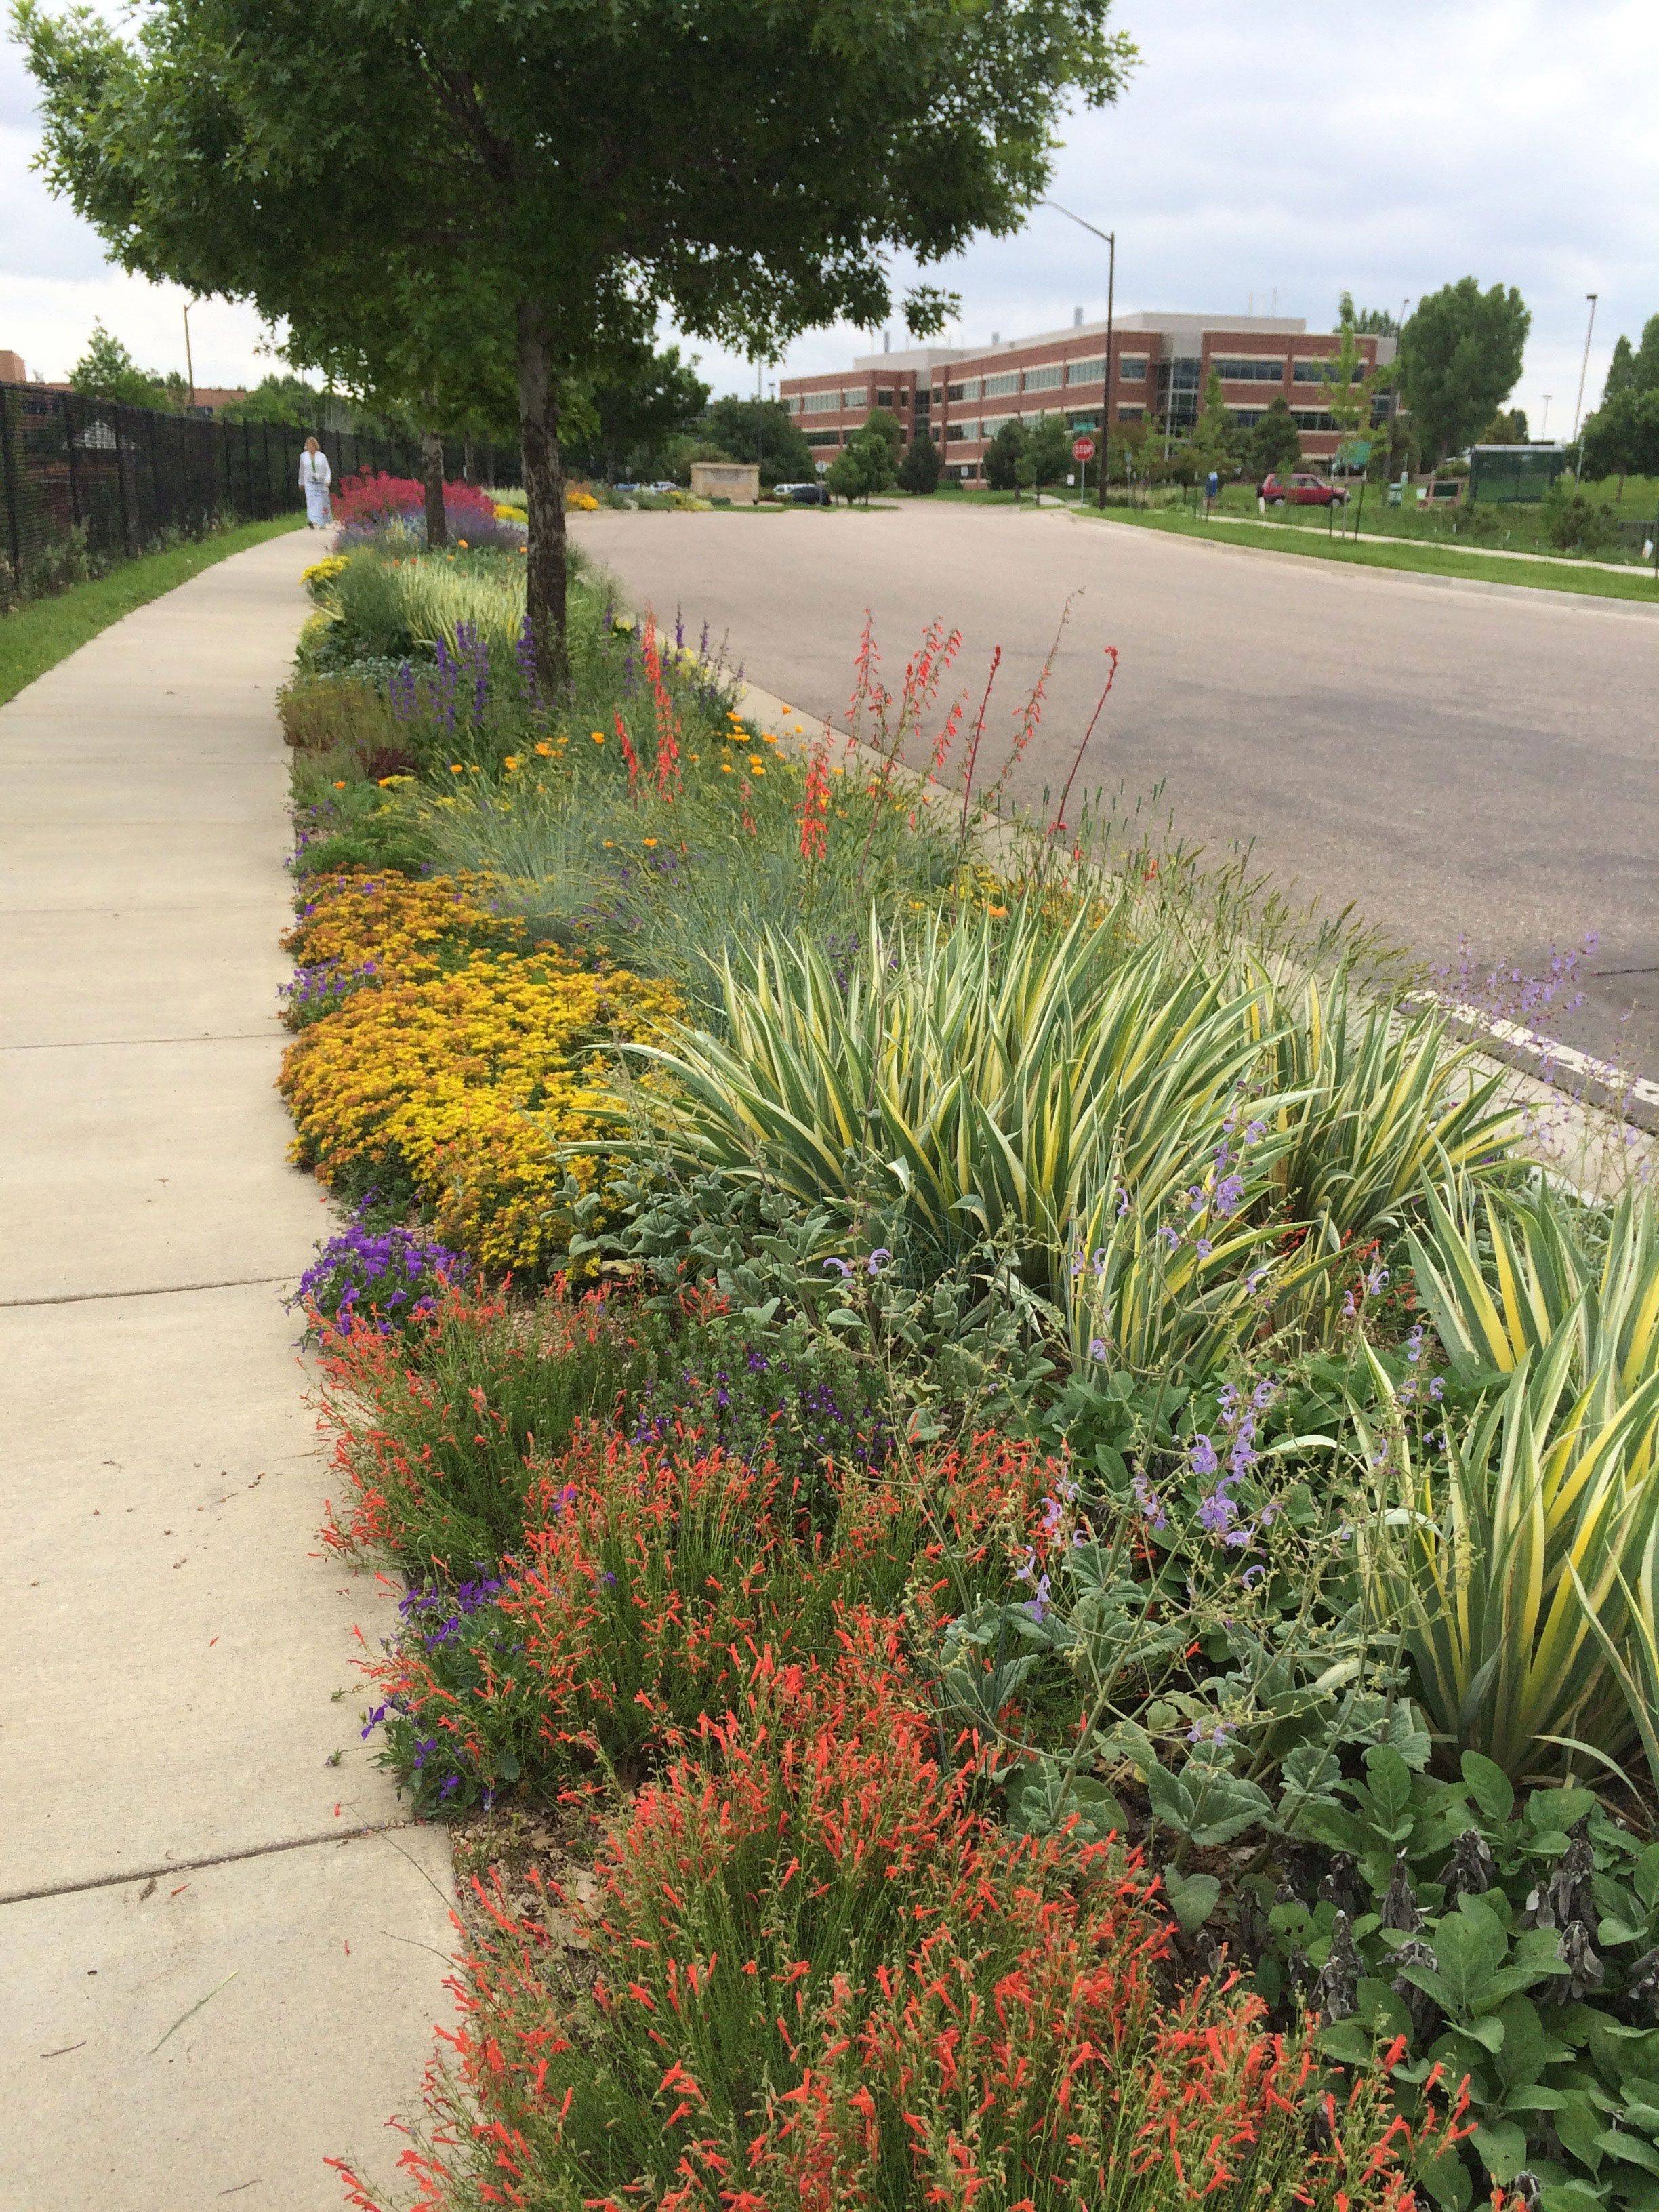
[(666, 484), (624, 487), (803, 494), (1300, 490)]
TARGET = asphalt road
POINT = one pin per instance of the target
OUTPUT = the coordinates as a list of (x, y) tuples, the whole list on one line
[(1461, 764)]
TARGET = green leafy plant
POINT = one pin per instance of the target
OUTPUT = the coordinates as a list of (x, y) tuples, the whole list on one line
[(1511, 1945)]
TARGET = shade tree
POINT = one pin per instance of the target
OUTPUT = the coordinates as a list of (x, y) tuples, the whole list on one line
[(430, 196), (1460, 356)]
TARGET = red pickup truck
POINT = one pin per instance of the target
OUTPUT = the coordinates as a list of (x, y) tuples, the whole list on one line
[(1302, 491)]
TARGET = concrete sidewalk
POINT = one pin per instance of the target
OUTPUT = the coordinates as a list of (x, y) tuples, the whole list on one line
[(220, 1944)]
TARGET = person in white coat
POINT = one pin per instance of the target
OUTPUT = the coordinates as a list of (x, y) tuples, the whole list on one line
[(315, 477)]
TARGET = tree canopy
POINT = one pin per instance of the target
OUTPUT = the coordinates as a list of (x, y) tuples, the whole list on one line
[(107, 371), (495, 203), (1375, 322), (921, 468), (623, 424), (764, 431), (1004, 454), (1460, 356)]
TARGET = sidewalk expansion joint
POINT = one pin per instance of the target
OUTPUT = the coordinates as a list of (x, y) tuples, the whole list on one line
[(114, 1044), (212, 1859), (147, 1290)]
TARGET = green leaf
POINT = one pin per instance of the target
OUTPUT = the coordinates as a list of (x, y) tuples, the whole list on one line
[(1350, 2042), (1502, 2147), (1390, 1780), (1192, 1897), (1620, 2143), (1489, 1786), (1525, 2050), (1447, 2180), (1228, 1806)]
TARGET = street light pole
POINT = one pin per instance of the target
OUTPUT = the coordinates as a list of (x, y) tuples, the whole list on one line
[(1577, 471), (1111, 237), (190, 365)]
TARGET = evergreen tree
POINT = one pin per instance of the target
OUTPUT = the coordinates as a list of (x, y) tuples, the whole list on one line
[(1275, 442), (921, 469), (1004, 454), (1644, 368), (1621, 372)]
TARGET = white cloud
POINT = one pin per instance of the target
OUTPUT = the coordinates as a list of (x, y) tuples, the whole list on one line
[(1279, 151)]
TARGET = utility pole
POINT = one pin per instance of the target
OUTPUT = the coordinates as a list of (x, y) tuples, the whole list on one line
[(1111, 237), (1584, 371), (760, 425), (190, 365)]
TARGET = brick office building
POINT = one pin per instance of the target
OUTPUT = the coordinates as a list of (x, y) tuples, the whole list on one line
[(959, 396)]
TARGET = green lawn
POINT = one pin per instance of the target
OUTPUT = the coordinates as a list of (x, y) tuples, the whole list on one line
[(1516, 529), (43, 632), (1410, 555)]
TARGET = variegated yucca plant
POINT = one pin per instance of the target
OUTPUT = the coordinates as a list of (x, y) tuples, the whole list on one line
[(1551, 1258), (991, 1078), (1509, 1564), (1380, 1105)]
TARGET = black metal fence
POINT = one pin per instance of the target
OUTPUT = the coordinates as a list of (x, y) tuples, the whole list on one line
[(86, 482)]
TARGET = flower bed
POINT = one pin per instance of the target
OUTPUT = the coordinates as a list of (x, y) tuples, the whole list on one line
[(1033, 1547)]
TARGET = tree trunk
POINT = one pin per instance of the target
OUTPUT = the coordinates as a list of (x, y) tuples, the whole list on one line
[(466, 461), (546, 577), (432, 478)]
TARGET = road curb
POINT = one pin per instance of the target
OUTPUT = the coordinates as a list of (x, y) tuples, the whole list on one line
[(1587, 602)]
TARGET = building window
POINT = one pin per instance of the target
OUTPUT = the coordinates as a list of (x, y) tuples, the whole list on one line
[(823, 437), (1130, 413), (1132, 367), (1235, 371), (1314, 372), (1246, 417), (1087, 371), (1042, 380), (956, 431), (884, 399), (1006, 381), (1380, 404), (858, 398), (967, 390), (1313, 418), (823, 403)]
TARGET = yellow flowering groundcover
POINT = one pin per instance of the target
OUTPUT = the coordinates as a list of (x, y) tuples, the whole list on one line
[(459, 1087), (360, 917)]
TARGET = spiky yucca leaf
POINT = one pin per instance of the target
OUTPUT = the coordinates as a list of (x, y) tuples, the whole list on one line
[(1544, 1266), (1392, 1108), (992, 1079), (1508, 1567)]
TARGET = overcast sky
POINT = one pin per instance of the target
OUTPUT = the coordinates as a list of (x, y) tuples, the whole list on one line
[(1267, 153)]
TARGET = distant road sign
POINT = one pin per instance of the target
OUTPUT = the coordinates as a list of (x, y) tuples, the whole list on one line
[(1083, 449)]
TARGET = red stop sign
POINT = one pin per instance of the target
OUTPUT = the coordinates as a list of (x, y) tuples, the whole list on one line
[(1083, 449)]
